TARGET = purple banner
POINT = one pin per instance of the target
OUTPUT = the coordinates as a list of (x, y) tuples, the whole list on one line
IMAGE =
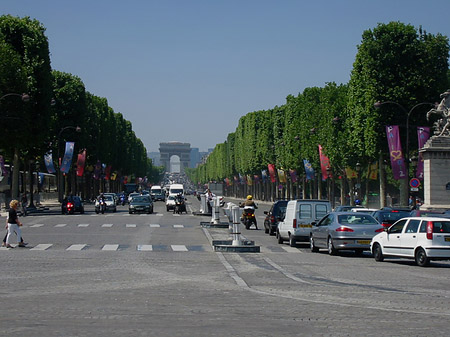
[(309, 171), (67, 160), (423, 133), (48, 160), (395, 152)]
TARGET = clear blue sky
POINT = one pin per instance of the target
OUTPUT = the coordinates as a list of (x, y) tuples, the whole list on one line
[(187, 70)]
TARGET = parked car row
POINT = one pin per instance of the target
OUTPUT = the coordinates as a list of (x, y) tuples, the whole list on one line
[(419, 235)]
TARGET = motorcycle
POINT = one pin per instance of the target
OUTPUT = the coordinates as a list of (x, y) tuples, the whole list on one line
[(180, 205), (122, 199), (101, 207), (248, 217)]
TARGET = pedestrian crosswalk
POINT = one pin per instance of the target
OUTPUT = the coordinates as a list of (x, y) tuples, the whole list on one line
[(114, 247)]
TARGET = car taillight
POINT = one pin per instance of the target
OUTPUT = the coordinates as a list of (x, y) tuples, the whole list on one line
[(272, 219), (379, 230), (69, 204), (430, 230), (385, 224), (294, 223), (344, 229)]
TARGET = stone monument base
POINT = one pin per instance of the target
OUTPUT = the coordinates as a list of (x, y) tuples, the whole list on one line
[(436, 157)]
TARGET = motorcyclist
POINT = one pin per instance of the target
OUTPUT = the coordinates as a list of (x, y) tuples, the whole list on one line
[(249, 202)]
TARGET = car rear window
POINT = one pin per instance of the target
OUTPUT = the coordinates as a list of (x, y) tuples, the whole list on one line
[(393, 216), (305, 212), (321, 211), (438, 227), (357, 219)]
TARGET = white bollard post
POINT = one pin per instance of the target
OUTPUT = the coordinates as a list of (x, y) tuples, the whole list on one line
[(215, 219), (236, 211), (203, 205)]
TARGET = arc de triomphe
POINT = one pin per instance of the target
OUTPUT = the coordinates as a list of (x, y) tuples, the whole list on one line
[(182, 150)]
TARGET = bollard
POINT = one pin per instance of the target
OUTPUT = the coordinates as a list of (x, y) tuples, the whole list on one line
[(236, 211), (215, 219), (203, 204)]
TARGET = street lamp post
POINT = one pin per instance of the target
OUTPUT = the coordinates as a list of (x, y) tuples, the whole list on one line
[(60, 185), (377, 105)]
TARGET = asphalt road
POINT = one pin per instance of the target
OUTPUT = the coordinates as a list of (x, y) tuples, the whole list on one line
[(157, 275)]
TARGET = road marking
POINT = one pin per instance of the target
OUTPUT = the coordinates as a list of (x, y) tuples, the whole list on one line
[(76, 247), (155, 225), (107, 225), (37, 225), (83, 225), (159, 214), (61, 225), (176, 215), (178, 226), (179, 248), (129, 225), (42, 246), (110, 247), (290, 249), (145, 248)]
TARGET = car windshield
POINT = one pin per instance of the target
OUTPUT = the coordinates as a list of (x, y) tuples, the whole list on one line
[(171, 197), (140, 199), (356, 219), (108, 197), (393, 216)]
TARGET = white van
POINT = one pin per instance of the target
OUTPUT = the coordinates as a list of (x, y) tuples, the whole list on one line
[(296, 225), (176, 189), (157, 193)]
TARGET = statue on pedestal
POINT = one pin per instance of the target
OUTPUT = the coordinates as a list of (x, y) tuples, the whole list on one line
[(442, 125)]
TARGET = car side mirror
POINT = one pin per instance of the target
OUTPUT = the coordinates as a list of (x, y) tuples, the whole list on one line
[(386, 230), (314, 223)]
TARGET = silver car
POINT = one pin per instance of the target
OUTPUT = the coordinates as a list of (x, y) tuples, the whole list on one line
[(344, 231)]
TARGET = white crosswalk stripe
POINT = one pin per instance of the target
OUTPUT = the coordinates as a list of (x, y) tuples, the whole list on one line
[(83, 225), (155, 225), (130, 225), (76, 247), (42, 246), (110, 247), (61, 225), (145, 248), (107, 225), (179, 248), (37, 225), (178, 226)]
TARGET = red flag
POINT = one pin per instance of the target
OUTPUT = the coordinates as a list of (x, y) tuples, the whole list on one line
[(324, 163), (80, 163), (108, 172), (271, 168)]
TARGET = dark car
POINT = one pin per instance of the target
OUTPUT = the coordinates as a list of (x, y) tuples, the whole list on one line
[(142, 203), (388, 217), (72, 204), (274, 216)]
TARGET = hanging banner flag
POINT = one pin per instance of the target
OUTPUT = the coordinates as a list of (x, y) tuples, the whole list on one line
[(249, 180), (48, 161), (281, 176), (324, 163), (114, 176), (67, 159), (271, 168), (108, 173), (264, 175), (351, 173), (372, 174), (423, 133), (80, 163), (98, 171), (309, 171), (293, 175), (395, 152)]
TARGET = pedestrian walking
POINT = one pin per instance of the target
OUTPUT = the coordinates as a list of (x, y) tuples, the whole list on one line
[(13, 225), (24, 201)]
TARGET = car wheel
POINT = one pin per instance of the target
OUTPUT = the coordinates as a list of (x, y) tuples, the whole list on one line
[(167, 208), (97, 211), (331, 249), (279, 238), (82, 211), (312, 246), (130, 212), (378, 253), (292, 241), (421, 257), (151, 210)]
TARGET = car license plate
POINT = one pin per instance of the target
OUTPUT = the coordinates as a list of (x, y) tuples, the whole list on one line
[(447, 238), (363, 242)]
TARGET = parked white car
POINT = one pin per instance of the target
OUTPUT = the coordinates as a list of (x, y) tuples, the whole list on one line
[(419, 238)]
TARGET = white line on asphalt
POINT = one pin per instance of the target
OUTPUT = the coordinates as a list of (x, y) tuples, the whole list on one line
[(83, 225), (61, 225), (178, 226), (76, 247), (155, 225), (42, 246), (37, 225), (176, 215), (159, 214), (290, 249), (130, 225), (108, 225), (110, 247), (145, 248), (179, 248)]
